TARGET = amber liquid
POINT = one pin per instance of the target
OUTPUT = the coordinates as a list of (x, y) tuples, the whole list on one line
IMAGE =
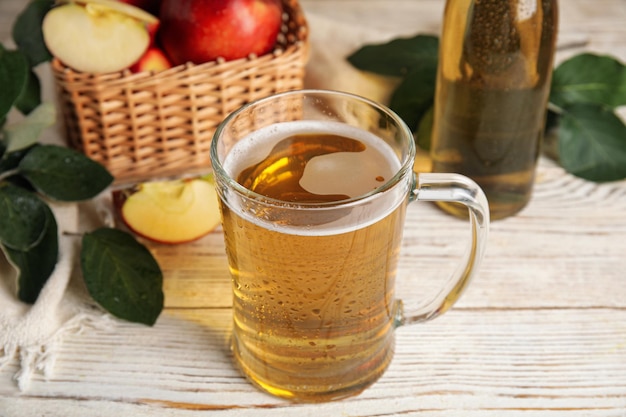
[(496, 148), (492, 91), (314, 311)]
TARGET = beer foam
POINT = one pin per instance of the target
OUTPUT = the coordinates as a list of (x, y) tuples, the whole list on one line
[(347, 173)]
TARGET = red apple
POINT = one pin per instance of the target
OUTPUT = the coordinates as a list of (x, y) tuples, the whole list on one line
[(153, 59), (203, 30), (150, 6), (153, 30)]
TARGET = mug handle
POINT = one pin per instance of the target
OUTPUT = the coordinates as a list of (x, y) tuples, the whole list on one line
[(453, 188)]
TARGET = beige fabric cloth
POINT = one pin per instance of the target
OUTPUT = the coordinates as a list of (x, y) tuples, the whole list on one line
[(31, 334), (331, 43)]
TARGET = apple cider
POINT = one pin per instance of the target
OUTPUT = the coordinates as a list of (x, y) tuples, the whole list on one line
[(493, 83), (314, 306)]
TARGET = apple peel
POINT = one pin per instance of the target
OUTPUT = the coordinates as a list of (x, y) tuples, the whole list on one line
[(200, 31), (172, 212), (153, 60), (124, 8)]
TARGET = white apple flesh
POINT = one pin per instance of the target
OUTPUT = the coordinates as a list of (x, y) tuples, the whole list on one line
[(94, 38), (172, 211), (124, 7)]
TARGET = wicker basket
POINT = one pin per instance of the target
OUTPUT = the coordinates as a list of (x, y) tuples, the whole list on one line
[(152, 124)]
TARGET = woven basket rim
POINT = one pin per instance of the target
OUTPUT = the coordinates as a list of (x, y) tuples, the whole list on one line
[(124, 76)]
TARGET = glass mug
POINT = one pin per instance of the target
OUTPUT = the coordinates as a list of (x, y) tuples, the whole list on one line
[(313, 189)]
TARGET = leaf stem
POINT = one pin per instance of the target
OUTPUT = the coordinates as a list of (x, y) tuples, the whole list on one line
[(6, 174), (556, 109)]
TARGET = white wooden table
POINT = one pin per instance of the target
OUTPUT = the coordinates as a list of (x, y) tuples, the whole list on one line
[(540, 332)]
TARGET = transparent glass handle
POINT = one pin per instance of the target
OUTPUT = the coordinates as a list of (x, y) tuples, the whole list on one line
[(458, 189)]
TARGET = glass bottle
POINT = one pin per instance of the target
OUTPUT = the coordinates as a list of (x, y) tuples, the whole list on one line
[(495, 67)]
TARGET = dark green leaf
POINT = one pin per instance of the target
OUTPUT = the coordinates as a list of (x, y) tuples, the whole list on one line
[(550, 143), (13, 77), (592, 143), (30, 98), (122, 276), (425, 130), (10, 161), (64, 174), (552, 120), (25, 133), (22, 218), (589, 78), (27, 33), (21, 182), (415, 95), (36, 264), (397, 57)]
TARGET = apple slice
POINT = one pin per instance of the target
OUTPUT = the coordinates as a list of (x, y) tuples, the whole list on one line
[(172, 211), (126, 7), (95, 38), (137, 9)]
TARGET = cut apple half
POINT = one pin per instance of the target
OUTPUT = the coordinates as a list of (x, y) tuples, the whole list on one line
[(118, 6), (94, 38), (172, 212)]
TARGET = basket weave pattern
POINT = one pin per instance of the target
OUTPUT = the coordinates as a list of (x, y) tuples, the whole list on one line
[(144, 125)]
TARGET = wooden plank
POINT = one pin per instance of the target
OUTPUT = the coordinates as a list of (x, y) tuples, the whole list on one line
[(552, 361)]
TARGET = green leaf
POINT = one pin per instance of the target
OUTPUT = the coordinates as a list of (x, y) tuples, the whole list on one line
[(122, 276), (592, 143), (589, 78), (13, 77), (415, 95), (64, 174), (397, 57), (26, 132), (23, 218), (36, 264), (27, 33), (425, 129), (552, 120), (550, 142), (30, 98), (10, 161)]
